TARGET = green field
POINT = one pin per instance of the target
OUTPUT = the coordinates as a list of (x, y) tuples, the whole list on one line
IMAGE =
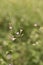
[(21, 32)]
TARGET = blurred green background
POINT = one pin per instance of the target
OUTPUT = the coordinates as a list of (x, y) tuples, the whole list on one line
[(21, 32)]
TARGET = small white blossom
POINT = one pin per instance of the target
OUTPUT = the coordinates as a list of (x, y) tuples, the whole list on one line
[(21, 30), (17, 33), (10, 27), (34, 44), (37, 43), (13, 39), (35, 25)]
